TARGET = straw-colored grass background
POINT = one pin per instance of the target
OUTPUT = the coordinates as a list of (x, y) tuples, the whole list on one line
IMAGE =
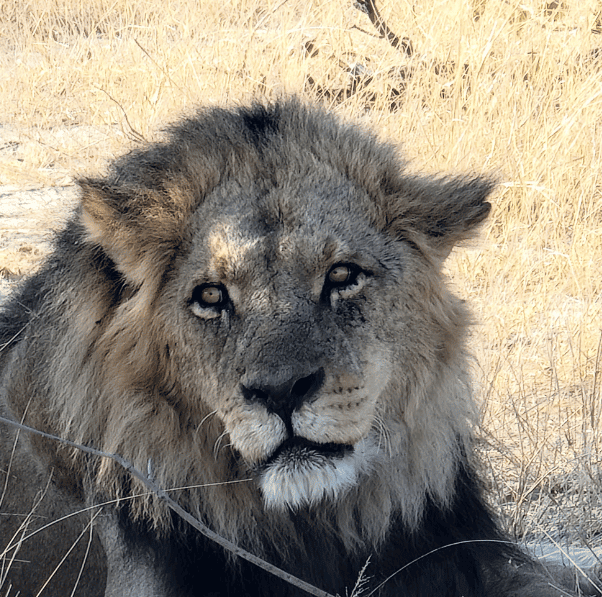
[(80, 81)]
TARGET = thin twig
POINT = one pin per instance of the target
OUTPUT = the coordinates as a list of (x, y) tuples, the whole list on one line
[(100, 505), (194, 522), (138, 137), (369, 7), (426, 555), (159, 66), (56, 569)]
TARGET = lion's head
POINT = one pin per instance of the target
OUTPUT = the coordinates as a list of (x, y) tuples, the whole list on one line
[(259, 298)]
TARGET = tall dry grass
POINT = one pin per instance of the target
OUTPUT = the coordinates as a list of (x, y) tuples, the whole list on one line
[(80, 81)]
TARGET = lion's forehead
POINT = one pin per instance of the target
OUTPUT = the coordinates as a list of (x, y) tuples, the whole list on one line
[(231, 245), (278, 233)]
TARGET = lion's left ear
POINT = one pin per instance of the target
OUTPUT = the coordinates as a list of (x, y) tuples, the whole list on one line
[(438, 212)]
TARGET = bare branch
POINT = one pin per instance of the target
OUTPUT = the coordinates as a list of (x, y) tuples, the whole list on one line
[(194, 522), (369, 7)]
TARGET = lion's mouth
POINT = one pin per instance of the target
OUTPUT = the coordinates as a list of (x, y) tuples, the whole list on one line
[(301, 472), (299, 450)]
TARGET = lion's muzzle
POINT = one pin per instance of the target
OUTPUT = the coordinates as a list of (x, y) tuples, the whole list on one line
[(297, 470), (302, 473), (283, 397)]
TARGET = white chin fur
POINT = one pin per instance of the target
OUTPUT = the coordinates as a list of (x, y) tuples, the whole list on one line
[(295, 481)]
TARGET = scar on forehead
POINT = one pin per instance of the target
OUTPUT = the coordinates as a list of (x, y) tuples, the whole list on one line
[(230, 248), (233, 249)]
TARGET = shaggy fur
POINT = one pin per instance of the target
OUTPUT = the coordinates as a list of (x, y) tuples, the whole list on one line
[(255, 307)]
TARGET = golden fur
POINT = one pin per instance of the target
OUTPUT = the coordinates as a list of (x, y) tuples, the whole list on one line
[(256, 300)]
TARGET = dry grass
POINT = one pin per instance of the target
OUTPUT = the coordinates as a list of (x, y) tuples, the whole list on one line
[(79, 81)]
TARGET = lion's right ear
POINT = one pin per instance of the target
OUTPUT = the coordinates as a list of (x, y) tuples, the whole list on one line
[(438, 213), (138, 228)]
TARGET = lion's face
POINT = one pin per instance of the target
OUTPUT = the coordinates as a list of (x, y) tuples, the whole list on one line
[(279, 306), (277, 312)]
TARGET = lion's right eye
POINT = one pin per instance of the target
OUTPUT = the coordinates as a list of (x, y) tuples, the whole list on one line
[(208, 296), (211, 295)]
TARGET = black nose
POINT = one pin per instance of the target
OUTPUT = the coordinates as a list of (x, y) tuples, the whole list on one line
[(283, 397)]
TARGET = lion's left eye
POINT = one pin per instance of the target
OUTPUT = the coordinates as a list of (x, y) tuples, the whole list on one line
[(343, 281), (342, 275)]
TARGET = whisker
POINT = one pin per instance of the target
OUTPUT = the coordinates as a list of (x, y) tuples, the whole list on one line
[(211, 414), (216, 446)]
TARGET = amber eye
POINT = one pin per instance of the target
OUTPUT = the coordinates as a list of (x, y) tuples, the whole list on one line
[(343, 274), (343, 279), (210, 296), (340, 274)]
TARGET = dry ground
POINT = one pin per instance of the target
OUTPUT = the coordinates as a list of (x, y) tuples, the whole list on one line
[(80, 82)]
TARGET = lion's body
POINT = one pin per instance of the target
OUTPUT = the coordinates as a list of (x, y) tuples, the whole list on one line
[(256, 306)]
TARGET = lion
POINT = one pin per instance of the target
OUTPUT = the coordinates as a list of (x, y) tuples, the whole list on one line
[(252, 312)]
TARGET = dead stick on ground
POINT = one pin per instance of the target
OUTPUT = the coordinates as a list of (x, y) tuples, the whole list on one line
[(197, 524), (369, 7)]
